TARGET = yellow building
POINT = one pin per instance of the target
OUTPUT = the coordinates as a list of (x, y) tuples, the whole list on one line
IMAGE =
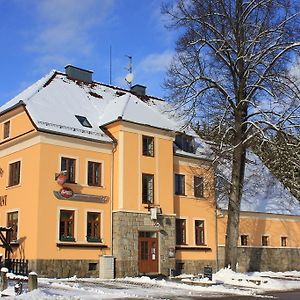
[(90, 170)]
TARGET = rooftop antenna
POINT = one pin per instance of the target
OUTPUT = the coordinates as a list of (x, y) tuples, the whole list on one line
[(110, 65), (129, 76)]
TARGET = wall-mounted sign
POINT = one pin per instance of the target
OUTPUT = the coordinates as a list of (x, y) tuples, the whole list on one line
[(61, 177), (3, 200), (66, 192), (81, 197)]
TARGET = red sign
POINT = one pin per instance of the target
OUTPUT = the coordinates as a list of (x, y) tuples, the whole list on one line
[(66, 192), (61, 178)]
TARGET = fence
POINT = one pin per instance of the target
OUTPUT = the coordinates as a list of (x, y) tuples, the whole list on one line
[(17, 266)]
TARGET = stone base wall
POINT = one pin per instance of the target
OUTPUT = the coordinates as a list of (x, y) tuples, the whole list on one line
[(194, 266), (264, 259), (64, 268), (126, 227)]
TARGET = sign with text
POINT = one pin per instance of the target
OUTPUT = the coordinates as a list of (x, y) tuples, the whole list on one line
[(81, 197)]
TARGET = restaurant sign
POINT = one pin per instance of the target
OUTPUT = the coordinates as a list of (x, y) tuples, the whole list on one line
[(67, 194)]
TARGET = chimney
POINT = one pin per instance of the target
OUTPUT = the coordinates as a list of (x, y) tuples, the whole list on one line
[(76, 73), (139, 90)]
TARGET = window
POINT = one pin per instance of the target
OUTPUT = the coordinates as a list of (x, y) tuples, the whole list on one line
[(148, 146), (6, 129), (179, 184), (198, 186), (68, 164), (14, 173), (94, 173), (93, 227), (265, 240), (244, 240), (199, 232), (12, 221), (147, 187), (185, 143), (180, 232), (83, 121), (283, 242), (66, 226)]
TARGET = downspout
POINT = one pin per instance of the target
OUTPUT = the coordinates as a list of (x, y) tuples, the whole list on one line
[(216, 220), (111, 195)]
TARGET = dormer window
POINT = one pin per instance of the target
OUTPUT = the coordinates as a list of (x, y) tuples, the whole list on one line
[(83, 121), (185, 143)]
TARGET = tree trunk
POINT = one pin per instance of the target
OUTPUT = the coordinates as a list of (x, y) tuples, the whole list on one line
[(234, 204)]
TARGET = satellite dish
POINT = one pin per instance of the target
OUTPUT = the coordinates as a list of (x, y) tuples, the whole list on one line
[(129, 78)]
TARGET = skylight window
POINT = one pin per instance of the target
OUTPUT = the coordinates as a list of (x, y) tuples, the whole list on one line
[(83, 121)]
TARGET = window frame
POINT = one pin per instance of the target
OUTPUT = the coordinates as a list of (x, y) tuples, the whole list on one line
[(93, 182), (67, 238), (267, 239), (180, 231), (14, 179), (197, 230), (285, 239), (244, 236), (68, 159), (148, 148), (196, 190), (144, 200), (94, 239), (181, 184), (15, 233), (6, 129), (83, 121)]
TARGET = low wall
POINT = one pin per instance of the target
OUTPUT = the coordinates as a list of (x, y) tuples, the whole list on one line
[(64, 268), (264, 259)]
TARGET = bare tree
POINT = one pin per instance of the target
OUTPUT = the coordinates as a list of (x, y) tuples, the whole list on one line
[(231, 76)]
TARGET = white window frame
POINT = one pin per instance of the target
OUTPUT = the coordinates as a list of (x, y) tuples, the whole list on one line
[(75, 222), (101, 223), (102, 186)]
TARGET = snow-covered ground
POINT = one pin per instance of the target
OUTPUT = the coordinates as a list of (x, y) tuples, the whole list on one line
[(225, 282)]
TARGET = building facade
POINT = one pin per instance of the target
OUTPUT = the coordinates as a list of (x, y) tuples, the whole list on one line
[(89, 170)]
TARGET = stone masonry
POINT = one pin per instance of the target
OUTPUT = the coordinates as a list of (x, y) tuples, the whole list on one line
[(126, 227), (64, 268), (264, 259)]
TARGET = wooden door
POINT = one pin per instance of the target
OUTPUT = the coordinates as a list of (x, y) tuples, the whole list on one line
[(148, 252)]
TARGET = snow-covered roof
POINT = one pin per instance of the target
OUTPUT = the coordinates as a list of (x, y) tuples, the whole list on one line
[(262, 191), (54, 101)]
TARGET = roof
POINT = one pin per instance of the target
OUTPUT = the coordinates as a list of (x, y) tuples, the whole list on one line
[(54, 101), (262, 192)]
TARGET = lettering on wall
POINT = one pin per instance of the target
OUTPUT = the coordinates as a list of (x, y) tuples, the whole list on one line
[(3, 200)]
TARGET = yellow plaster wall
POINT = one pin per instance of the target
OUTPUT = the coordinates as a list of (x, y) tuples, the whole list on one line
[(191, 208), (22, 198), (130, 164), (255, 225), (48, 210), (19, 123)]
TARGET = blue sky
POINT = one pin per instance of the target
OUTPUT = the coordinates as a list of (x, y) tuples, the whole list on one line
[(40, 35)]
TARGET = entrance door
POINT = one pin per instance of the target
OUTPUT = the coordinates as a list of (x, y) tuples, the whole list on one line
[(148, 252)]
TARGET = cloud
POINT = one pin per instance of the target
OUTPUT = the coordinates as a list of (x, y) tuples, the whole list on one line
[(159, 62), (64, 28)]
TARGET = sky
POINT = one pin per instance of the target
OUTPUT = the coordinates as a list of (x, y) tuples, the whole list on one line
[(40, 35)]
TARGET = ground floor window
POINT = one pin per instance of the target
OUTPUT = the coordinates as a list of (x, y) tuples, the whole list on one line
[(199, 232), (244, 240), (180, 231), (93, 227), (283, 241), (265, 240), (12, 221), (66, 226)]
